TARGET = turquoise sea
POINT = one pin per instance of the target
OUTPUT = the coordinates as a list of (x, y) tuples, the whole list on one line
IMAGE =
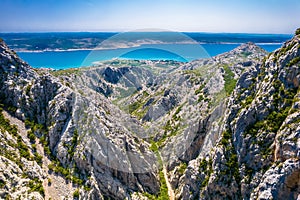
[(70, 49), (177, 52)]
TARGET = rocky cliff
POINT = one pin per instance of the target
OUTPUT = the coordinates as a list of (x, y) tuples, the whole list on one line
[(217, 128), (85, 143), (257, 155)]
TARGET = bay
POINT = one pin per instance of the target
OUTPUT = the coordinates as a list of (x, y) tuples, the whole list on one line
[(177, 52)]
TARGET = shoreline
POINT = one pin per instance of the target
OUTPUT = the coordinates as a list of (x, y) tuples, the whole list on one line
[(136, 46)]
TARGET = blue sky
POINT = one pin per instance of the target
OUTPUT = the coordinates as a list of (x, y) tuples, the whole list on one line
[(239, 16)]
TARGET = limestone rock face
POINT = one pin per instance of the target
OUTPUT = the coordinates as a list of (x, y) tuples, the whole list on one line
[(105, 151), (257, 155), (225, 127)]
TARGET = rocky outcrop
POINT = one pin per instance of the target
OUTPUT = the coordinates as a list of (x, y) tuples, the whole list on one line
[(217, 128), (257, 156), (80, 131)]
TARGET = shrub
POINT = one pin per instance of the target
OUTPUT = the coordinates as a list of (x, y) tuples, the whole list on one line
[(77, 180), (36, 185), (230, 82), (293, 61), (182, 168), (31, 136), (49, 181), (27, 90), (76, 194), (38, 158), (297, 31), (2, 183)]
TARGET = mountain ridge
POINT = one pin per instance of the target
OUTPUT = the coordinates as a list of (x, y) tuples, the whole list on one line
[(110, 129)]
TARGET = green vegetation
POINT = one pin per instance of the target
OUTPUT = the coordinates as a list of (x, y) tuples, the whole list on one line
[(38, 158), (76, 194), (20, 145), (65, 72), (2, 183), (123, 93), (230, 82), (232, 167), (68, 173), (23, 149), (27, 90), (49, 181), (281, 106), (172, 127), (182, 168), (11, 109), (74, 141), (163, 191), (71, 174), (226, 137), (153, 147), (246, 54), (293, 61), (31, 136), (206, 168), (137, 108), (36, 185), (285, 49), (297, 32), (6, 126), (199, 90)]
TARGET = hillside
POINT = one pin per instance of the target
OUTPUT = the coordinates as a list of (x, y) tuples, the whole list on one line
[(217, 128)]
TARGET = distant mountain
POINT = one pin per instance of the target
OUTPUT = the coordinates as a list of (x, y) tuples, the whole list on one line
[(226, 127), (85, 40)]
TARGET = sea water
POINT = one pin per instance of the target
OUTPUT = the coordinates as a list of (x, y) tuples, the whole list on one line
[(177, 52)]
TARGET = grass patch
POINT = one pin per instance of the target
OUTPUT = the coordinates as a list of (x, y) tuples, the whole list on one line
[(230, 82), (65, 72)]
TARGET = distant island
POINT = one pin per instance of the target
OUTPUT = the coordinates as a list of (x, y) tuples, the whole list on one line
[(94, 40)]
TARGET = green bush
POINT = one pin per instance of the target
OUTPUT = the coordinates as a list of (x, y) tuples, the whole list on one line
[(27, 90), (71, 149), (23, 149), (38, 158), (203, 165), (77, 180), (2, 183), (230, 82), (36, 185), (297, 31), (49, 181), (28, 123), (293, 61), (225, 138), (76, 194), (31, 136), (182, 168)]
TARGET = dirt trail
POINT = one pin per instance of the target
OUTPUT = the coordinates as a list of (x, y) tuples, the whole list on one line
[(59, 187), (170, 189)]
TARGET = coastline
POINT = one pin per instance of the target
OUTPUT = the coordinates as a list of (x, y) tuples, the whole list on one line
[(137, 45)]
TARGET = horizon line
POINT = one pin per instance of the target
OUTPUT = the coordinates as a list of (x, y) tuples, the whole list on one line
[(204, 32)]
